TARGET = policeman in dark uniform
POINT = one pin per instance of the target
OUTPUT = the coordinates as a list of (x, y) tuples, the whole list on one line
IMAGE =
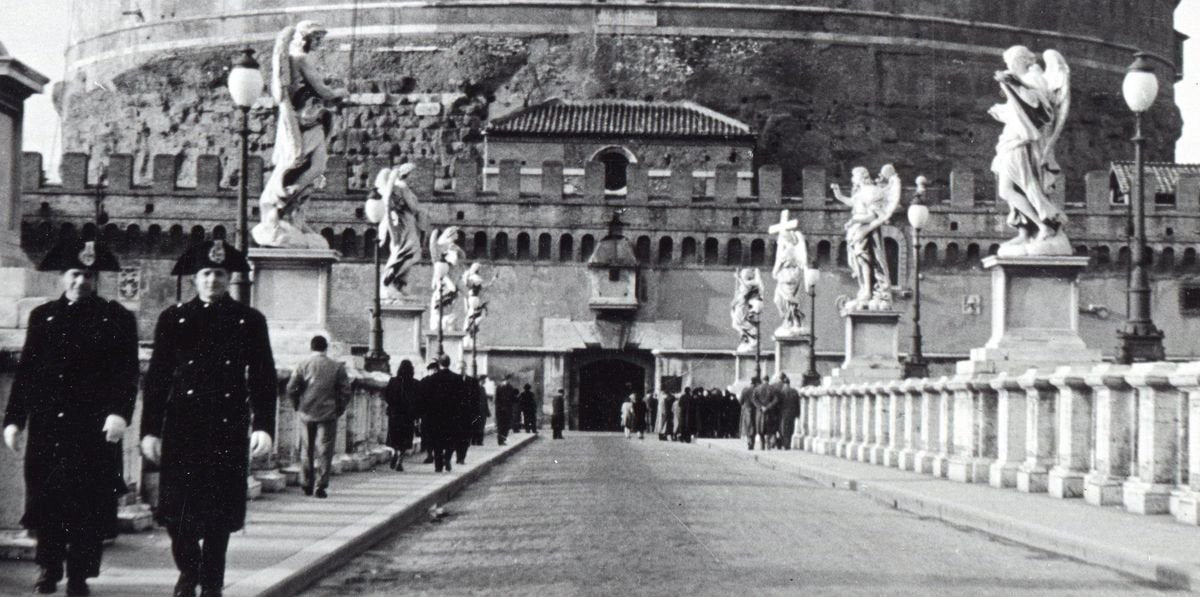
[(74, 391), (211, 380)]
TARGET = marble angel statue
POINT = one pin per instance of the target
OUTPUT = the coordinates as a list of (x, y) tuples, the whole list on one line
[(476, 307), (445, 253), (791, 259), (301, 134), (746, 309), (1037, 102), (872, 203), (397, 211)]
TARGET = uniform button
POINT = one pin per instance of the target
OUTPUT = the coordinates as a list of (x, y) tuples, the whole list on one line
[(50, 318), (60, 415), (192, 362), (228, 362), (240, 321), (227, 394), (181, 320), (224, 420), (190, 392), (60, 375)]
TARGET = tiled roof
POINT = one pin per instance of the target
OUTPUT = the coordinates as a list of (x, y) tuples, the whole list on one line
[(1160, 176), (625, 118)]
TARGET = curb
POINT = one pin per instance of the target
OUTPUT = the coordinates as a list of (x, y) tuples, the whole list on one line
[(1166, 571), (303, 569)]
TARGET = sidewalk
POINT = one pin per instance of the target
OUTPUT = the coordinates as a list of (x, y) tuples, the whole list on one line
[(289, 540), (1156, 548)]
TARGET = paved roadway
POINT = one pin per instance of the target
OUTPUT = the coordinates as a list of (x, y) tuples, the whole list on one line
[(597, 514)]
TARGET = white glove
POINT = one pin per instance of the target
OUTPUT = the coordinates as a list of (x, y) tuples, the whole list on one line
[(260, 444), (152, 448), (12, 438), (114, 428)]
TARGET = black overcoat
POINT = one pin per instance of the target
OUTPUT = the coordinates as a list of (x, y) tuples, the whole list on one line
[(443, 394), (212, 378), (401, 399), (506, 397), (79, 365)]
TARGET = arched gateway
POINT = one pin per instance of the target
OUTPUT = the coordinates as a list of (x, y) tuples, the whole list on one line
[(602, 380)]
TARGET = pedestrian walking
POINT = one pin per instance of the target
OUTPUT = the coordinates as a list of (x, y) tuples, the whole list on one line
[(465, 418), (766, 399), (401, 398), (74, 391), (528, 402), (482, 413), (639, 416), (685, 416), (651, 411), (426, 446), (749, 414), (211, 378), (506, 398), (319, 390), (789, 410), (442, 399), (558, 414), (627, 414), (666, 418)]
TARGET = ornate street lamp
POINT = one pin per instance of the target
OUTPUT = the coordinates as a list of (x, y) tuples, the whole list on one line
[(756, 319), (918, 217), (245, 85), (812, 275), (1140, 339), (376, 358)]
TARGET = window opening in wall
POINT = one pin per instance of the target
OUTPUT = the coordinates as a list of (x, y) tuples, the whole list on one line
[(1189, 299), (614, 275), (665, 248), (616, 162), (586, 245), (545, 247)]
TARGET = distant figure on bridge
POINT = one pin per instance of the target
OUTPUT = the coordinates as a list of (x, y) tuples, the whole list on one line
[(685, 416), (651, 411), (528, 402), (666, 418), (733, 413), (639, 416), (627, 415), (749, 413), (401, 399), (789, 409), (766, 399), (479, 424), (319, 390), (506, 398), (558, 414), (441, 397)]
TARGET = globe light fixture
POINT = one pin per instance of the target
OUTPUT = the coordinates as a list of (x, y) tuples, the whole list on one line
[(812, 275), (918, 218)]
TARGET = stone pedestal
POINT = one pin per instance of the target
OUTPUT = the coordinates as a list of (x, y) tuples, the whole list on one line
[(872, 347), (452, 344), (791, 356), (291, 288), (743, 366), (1035, 316), (402, 331)]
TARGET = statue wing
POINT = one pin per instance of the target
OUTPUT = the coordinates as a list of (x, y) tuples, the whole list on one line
[(891, 197), (281, 66), (434, 253), (1058, 80)]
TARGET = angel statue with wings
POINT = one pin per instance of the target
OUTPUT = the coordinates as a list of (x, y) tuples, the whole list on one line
[(445, 253), (1035, 110), (472, 281), (872, 203), (301, 132), (746, 308), (398, 214), (791, 258)]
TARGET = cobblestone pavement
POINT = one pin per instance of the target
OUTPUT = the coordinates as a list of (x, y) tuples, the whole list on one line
[(598, 514)]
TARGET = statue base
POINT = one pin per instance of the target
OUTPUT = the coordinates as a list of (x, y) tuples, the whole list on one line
[(872, 347), (452, 345), (401, 321), (1035, 316), (291, 288), (792, 354), (744, 367)]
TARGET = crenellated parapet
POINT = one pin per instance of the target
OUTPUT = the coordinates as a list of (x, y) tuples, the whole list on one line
[(550, 212)]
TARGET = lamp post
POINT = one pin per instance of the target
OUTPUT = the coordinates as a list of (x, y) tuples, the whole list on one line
[(1140, 339), (811, 276), (756, 319), (376, 358), (918, 217), (245, 85)]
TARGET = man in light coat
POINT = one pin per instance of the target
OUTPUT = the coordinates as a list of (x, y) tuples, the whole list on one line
[(319, 390)]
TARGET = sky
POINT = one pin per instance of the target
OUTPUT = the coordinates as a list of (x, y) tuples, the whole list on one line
[(34, 31)]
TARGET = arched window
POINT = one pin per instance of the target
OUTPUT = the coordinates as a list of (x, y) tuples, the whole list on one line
[(523, 246), (369, 244), (666, 246), (1103, 256), (1167, 260), (891, 250), (993, 248), (712, 249), (587, 244), (687, 251), (500, 246), (197, 235), (545, 247), (930, 256), (479, 245), (1081, 251), (758, 251), (1123, 256), (132, 237), (566, 247), (349, 242), (733, 252), (824, 248), (153, 238), (1189, 258), (952, 254), (175, 239), (111, 234), (641, 249), (616, 162), (329, 236), (842, 256), (972, 255)]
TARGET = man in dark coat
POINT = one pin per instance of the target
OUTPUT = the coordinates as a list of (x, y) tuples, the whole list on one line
[(666, 418), (74, 391), (749, 413), (401, 398), (528, 402), (639, 416), (482, 413), (506, 397), (442, 396), (466, 416), (766, 398), (211, 378), (426, 445), (685, 416), (651, 411), (789, 409), (558, 414)]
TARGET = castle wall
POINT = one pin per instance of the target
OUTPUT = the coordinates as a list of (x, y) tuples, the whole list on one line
[(832, 83)]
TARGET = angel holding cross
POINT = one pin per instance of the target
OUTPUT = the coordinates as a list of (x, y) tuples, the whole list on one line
[(791, 258), (871, 204)]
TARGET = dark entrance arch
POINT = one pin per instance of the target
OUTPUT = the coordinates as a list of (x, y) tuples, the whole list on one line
[(603, 386)]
